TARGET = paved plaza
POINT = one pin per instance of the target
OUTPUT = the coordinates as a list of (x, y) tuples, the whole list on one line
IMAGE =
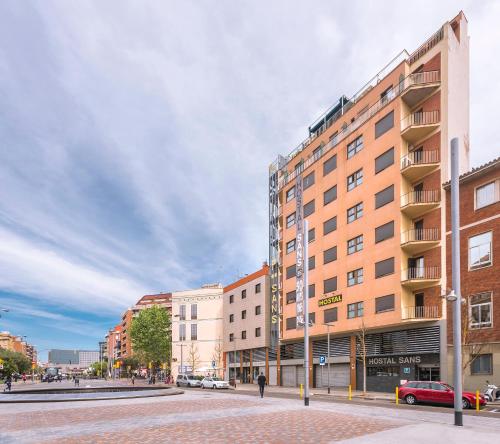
[(220, 417)]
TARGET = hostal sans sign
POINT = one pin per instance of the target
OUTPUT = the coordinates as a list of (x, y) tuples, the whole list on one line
[(395, 360), (330, 300)]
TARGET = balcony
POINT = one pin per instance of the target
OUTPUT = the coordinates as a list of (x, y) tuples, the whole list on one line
[(423, 312), (420, 85), (420, 277), (420, 239), (418, 164), (417, 126), (417, 203)]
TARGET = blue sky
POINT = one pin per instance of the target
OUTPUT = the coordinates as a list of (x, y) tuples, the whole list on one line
[(135, 137)]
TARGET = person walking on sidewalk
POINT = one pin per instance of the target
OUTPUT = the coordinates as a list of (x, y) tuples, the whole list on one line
[(261, 380)]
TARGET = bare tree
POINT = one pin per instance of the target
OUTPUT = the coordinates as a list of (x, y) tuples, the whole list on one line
[(361, 350), (471, 341), (193, 357), (217, 355)]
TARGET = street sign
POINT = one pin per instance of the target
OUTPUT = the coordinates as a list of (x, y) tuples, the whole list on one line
[(322, 360)]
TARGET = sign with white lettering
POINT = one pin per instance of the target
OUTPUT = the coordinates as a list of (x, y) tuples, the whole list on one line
[(274, 258), (394, 360), (299, 253)]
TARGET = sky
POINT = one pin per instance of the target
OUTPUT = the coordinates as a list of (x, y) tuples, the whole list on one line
[(135, 137)]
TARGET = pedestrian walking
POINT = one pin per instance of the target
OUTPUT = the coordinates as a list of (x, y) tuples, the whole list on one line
[(133, 379), (261, 380), (77, 381), (8, 384), (24, 378)]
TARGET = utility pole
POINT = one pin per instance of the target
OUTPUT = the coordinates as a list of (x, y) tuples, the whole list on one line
[(455, 273)]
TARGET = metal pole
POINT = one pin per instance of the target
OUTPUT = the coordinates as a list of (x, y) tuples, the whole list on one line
[(455, 273), (328, 327), (182, 360), (306, 314)]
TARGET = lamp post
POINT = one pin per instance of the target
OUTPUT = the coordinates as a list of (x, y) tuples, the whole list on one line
[(328, 325), (234, 354), (182, 359)]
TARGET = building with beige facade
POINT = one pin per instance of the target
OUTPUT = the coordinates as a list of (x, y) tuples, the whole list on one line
[(369, 177), (197, 331), (246, 328)]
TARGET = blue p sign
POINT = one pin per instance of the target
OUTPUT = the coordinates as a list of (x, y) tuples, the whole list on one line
[(322, 360)]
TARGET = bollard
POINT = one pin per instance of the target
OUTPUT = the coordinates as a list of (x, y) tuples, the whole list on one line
[(350, 393), (397, 395), (477, 400), (300, 391)]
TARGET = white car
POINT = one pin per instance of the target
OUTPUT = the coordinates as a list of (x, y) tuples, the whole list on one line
[(214, 383)]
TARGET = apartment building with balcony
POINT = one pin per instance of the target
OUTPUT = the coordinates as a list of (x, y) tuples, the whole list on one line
[(479, 274), (246, 305), (371, 170), (113, 347), (197, 331)]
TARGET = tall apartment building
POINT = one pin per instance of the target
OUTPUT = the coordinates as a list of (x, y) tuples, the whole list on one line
[(15, 343), (371, 171), (113, 346), (479, 273), (162, 300), (197, 331), (246, 305)]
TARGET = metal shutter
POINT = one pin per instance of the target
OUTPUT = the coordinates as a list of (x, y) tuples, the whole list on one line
[(300, 375), (340, 375), (288, 375)]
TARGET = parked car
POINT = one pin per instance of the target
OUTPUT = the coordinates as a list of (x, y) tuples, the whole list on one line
[(214, 383), (436, 393), (188, 381)]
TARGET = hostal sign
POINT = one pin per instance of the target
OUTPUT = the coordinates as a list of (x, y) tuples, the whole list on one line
[(330, 300)]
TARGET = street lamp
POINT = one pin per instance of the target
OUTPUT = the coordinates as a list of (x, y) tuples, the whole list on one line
[(328, 325), (182, 362)]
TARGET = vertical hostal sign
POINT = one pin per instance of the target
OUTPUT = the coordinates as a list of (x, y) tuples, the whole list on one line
[(274, 255), (299, 253)]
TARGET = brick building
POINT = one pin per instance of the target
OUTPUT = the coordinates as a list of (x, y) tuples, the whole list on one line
[(479, 273)]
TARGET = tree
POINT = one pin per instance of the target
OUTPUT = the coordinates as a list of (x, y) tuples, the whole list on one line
[(151, 335), (193, 357), (471, 342), (99, 368), (217, 355), (14, 362), (361, 350), (131, 364)]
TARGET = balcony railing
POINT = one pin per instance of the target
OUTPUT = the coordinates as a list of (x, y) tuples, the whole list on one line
[(416, 158), (420, 118), (422, 78), (425, 312), (432, 41), (420, 197), (421, 273), (420, 234)]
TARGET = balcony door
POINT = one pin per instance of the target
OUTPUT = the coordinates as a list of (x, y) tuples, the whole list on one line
[(416, 267), (418, 226)]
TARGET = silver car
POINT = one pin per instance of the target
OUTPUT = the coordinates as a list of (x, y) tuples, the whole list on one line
[(214, 383), (187, 381)]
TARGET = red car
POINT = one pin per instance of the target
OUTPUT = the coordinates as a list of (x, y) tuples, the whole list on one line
[(436, 393)]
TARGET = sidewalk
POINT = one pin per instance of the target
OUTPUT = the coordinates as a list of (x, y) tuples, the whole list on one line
[(337, 392)]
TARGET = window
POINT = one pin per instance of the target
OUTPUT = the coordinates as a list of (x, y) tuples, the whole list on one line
[(290, 220), (355, 244), (308, 181), (387, 95), (290, 194), (257, 288), (182, 332), (355, 310), (291, 323), (244, 314), (311, 234), (330, 285), (355, 147), (480, 310), (194, 332), (480, 250), (487, 194), (257, 332), (482, 365), (330, 195), (290, 246), (243, 294), (231, 318), (244, 334), (317, 152), (231, 337), (291, 296), (354, 179), (354, 212), (330, 225), (312, 318), (355, 277), (385, 267), (330, 255), (330, 315), (258, 310), (290, 271), (384, 197), (384, 232), (312, 263), (312, 290), (383, 371), (299, 167), (231, 298), (194, 311), (384, 124), (309, 208), (182, 312), (329, 165), (384, 303), (384, 160)]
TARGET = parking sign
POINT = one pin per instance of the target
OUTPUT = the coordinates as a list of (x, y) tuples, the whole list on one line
[(322, 360)]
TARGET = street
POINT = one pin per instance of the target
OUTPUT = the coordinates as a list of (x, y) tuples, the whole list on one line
[(213, 416)]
